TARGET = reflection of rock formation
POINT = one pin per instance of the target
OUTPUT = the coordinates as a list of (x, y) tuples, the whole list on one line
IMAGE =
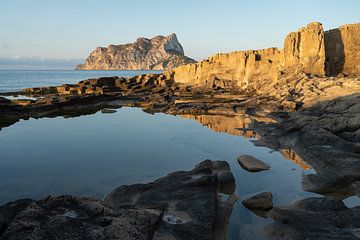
[(239, 125), (291, 155)]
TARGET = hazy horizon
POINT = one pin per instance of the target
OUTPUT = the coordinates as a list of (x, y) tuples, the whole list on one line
[(70, 30)]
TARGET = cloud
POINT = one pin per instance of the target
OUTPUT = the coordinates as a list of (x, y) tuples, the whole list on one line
[(6, 45)]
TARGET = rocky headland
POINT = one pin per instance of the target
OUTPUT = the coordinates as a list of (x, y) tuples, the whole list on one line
[(158, 53), (303, 100)]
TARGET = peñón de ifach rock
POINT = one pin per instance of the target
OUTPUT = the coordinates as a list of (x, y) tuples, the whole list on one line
[(158, 53)]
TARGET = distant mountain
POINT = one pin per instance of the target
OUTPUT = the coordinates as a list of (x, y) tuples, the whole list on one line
[(37, 63), (158, 53)]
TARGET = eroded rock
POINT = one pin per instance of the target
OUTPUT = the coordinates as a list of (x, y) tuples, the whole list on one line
[(315, 218), (260, 201), (252, 164), (181, 205)]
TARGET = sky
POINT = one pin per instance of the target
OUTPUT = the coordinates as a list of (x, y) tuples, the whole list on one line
[(70, 29)]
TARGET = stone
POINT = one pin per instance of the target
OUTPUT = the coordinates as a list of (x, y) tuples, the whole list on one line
[(108, 110), (305, 49), (158, 53), (252, 164), (181, 205), (342, 50), (261, 201), (322, 218)]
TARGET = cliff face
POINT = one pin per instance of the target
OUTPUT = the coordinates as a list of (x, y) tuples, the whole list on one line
[(309, 50), (158, 53), (305, 50), (343, 50)]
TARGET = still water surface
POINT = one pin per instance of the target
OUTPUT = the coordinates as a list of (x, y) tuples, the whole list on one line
[(91, 155)]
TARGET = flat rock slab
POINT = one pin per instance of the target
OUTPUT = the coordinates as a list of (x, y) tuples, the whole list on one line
[(261, 201), (108, 110), (252, 164), (320, 218), (181, 205)]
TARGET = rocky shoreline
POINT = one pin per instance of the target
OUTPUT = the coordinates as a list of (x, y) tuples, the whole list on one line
[(292, 100), (312, 132), (182, 205)]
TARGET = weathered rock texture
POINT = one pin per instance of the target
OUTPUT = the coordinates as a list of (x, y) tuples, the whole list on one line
[(342, 47), (252, 164), (305, 50), (327, 136), (181, 205), (158, 53), (315, 218), (309, 50)]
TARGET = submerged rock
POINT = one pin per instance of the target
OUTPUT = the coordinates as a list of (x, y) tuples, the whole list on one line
[(315, 218), (108, 110), (261, 201), (252, 164), (181, 205)]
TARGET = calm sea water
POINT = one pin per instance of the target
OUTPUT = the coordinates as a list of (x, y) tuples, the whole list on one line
[(91, 155), (13, 80)]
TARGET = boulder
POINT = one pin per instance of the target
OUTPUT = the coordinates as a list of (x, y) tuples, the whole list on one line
[(252, 164), (261, 201), (108, 110)]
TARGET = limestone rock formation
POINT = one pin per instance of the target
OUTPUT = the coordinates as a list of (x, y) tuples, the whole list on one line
[(342, 47), (158, 53), (310, 51), (305, 49)]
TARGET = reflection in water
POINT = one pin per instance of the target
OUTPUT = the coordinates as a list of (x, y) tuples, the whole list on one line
[(243, 125), (238, 125), (291, 155)]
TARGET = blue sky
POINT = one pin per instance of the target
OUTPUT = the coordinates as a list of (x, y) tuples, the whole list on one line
[(72, 28)]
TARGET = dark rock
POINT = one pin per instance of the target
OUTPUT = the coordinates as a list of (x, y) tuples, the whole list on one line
[(181, 205), (261, 201), (108, 110), (315, 218), (252, 164), (3, 227)]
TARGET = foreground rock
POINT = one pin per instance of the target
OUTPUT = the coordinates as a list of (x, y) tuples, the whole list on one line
[(181, 205), (252, 164), (315, 218), (261, 201), (158, 53)]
